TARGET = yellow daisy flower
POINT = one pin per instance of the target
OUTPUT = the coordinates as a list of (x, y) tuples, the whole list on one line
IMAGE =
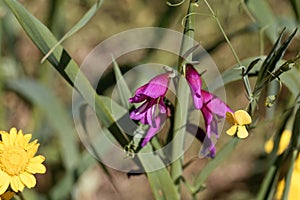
[(7, 195), (239, 119), (17, 161)]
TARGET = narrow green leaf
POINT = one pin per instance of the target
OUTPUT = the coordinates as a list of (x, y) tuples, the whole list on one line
[(63, 188), (264, 16), (81, 23), (269, 183), (123, 89), (56, 114), (270, 58), (63, 63), (285, 195), (220, 157), (291, 78), (296, 131), (160, 180), (295, 141), (296, 8)]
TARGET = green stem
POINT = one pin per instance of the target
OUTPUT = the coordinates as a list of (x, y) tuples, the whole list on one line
[(288, 178), (20, 195), (181, 104), (188, 38)]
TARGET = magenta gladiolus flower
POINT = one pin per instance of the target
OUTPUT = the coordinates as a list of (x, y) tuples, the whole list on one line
[(195, 83), (153, 109), (211, 106), (213, 110)]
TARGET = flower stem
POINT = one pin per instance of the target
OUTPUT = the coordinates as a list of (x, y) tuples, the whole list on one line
[(181, 104), (20, 195)]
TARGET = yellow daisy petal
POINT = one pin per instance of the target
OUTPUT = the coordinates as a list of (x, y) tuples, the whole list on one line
[(4, 178), (5, 138), (13, 131), (1, 146), (37, 159), (20, 132), (232, 130), (242, 117), (242, 132), (19, 139), (32, 144), (3, 132), (32, 151), (230, 118), (17, 161), (16, 184), (28, 179), (12, 136), (34, 168), (4, 187), (25, 140)]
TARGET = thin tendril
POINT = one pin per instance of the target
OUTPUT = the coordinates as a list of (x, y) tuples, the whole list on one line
[(223, 32), (248, 13), (193, 13), (175, 4)]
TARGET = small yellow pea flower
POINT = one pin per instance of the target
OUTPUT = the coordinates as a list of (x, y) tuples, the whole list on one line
[(239, 119)]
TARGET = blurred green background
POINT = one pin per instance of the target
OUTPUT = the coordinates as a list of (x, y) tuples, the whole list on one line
[(35, 97)]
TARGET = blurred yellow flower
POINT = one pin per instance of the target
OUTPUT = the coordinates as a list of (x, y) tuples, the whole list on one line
[(294, 186), (283, 143), (17, 161), (7, 195), (239, 119), (295, 181)]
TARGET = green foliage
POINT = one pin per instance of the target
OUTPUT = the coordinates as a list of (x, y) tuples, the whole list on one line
[(257, 71)]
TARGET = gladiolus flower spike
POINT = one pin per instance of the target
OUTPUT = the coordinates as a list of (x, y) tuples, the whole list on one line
[(151, 94), (212, 108)]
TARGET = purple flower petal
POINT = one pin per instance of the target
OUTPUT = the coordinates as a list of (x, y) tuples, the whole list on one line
[(141, 112), (213, 109), (152, 93), (155, 88), (195, 83), (208, 147), (159, 120), (139, 96)]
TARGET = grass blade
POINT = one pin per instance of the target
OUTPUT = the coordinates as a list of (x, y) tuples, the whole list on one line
[(220, 157), (64, 64), (81, 23), (264, 16), (160, 180), (123, 89)]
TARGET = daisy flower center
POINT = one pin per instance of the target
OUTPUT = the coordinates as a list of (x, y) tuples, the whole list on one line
[(13, 160)]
